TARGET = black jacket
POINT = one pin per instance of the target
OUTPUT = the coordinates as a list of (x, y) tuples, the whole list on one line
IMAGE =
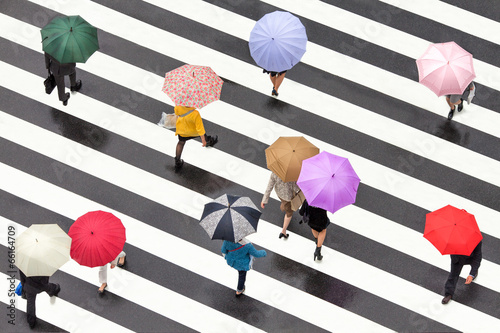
[(57, 68)]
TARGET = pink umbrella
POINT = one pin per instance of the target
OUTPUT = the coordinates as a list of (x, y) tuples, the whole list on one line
[(445, 68), (328, 181)]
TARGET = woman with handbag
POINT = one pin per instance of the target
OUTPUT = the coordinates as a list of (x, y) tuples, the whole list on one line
[(240, 257), (286, 192), (318, 220)]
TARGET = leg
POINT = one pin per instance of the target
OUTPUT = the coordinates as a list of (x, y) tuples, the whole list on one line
[(278, 80), (451, 283), (286, 222), (273, 79), (31, 309), (179, 149), (60, 87), (321, 237), (242, 276), (315, 234), (75, 85)]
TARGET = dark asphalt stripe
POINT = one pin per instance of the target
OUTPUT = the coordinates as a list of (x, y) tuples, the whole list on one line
[(251, 150), (422, 27), (84, 295), (341, 88), (485, 8), (278, 267), (20, 322), (352, 47), (161, 272)]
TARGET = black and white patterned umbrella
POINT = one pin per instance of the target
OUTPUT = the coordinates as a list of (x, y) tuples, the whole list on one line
[(230, 218)]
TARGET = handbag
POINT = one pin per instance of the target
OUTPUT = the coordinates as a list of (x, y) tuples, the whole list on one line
[(49, 83), (297, 200), (168, 120), (19, 289)]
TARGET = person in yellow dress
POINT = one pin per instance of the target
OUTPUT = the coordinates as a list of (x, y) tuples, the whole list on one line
[(189, 125)]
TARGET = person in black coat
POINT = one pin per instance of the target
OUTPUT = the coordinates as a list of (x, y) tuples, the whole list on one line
[(60, 70), (32, 286), (457, 262), (317, 219)]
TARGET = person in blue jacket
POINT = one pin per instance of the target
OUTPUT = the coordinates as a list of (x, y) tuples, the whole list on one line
[(240, 257)]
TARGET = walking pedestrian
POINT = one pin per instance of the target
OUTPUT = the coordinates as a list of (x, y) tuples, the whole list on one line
[(189, 125), (276, 80), (318, 220), (457, 262), (32, 286), (60, 70), (286, 192), (240, 256), (119, 261), (458, 100)]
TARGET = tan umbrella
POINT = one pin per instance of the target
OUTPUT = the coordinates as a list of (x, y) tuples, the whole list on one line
[(42, 249), (284, 157)]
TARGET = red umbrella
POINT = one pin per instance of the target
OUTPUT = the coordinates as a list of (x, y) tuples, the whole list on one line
[(98, 237), (452, 230)]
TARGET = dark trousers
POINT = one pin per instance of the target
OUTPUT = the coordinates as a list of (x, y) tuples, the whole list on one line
[(49, 288), (242, 276), (60, 84), (451, 283)]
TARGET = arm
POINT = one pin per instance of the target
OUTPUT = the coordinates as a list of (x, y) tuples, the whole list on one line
[(267, 193), (200, 129), (477, 256), (257, 254), (224, 249), (47, 61)]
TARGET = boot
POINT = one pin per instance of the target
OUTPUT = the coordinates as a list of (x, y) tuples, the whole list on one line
[(178, 163), (317, 253), (211, 141)]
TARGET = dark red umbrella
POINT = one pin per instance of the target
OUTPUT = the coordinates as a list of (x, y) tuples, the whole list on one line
[(452, 230), (98, 237)]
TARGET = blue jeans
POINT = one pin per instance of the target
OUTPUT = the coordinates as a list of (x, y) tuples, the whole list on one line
[(242, 276)]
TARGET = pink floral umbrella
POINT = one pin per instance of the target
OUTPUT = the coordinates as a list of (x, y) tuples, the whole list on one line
[(445, 68), (191, 85), (328, 181)]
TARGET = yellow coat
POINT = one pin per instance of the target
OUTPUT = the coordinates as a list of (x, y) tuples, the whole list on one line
[(190, 125)]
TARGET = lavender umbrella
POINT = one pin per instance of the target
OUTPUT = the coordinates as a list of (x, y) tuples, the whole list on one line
[(328, 181), (278, 41)]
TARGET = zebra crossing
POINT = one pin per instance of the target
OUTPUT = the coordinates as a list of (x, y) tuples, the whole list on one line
[(105, 151)]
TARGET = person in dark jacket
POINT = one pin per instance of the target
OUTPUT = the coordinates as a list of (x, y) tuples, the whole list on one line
[(32, 286), (240, 257), (60, 70), (457, 262), (317, 219)]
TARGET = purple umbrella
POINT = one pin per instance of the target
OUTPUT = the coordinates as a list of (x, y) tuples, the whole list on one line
[(278, 41), (328, 181)]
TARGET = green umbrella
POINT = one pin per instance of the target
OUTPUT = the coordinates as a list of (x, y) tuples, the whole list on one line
[(69, 39)]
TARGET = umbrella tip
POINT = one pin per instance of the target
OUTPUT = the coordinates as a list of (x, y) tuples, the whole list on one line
[(71, 29), (91, 232)]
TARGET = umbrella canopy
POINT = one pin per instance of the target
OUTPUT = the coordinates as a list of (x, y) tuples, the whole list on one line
[(446, 69), (230, 218), (278, 41), (452, 230), (284, 157), (98, 237), (328, 181), (42, 249), (191, 85), (69, 39)]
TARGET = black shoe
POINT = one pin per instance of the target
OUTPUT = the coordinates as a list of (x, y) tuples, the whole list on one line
[(58, 289), (274, 92), (317, 253), (77, 87), (65, 102), (450, 114), (461, 105), (211, 141), (446, 299), (283, 235), (178, 163), (124, 262), (32, 325)]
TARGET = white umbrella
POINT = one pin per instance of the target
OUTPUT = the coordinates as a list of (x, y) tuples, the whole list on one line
[(42, 249)]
